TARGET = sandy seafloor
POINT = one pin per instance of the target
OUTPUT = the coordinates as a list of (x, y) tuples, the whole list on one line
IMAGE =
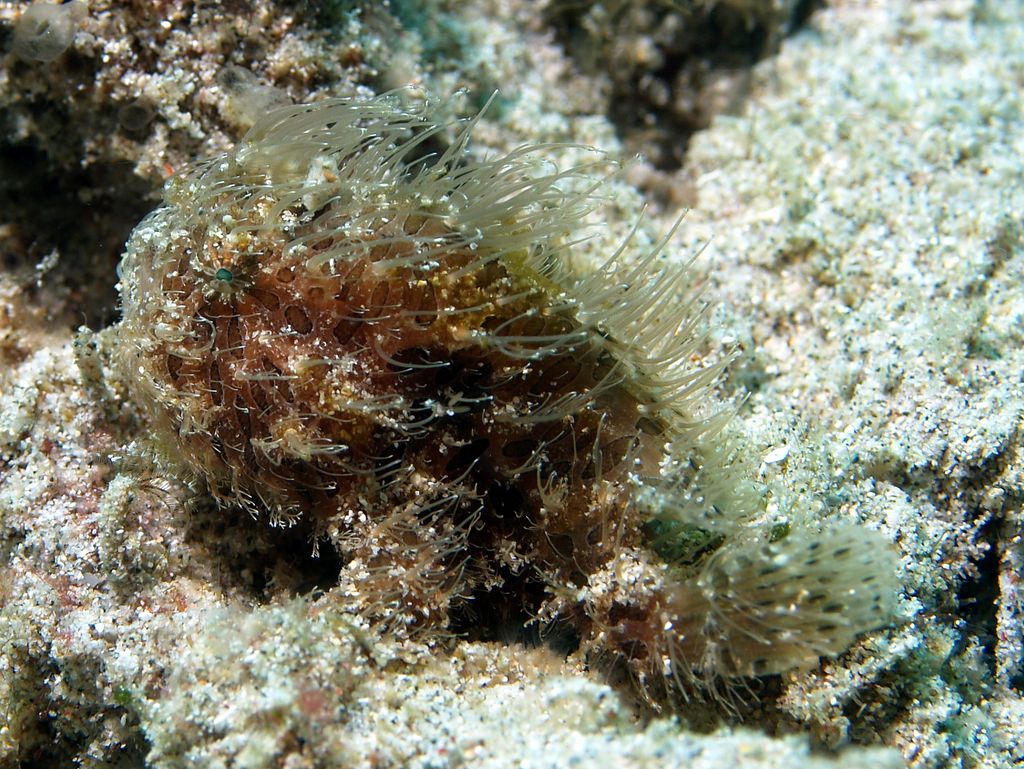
[(862, 209)]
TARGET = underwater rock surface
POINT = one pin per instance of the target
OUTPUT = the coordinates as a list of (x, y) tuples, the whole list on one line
[(867, 254)]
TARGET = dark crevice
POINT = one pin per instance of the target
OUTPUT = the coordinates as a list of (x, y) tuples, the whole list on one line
[(264, 562), (696, 64), (46, 213), (504, 616), (64, 203), (977, 597)]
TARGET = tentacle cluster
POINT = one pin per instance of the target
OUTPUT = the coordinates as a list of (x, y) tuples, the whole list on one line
[(331, 322)]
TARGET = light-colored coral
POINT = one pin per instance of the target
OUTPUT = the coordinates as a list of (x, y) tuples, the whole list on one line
[(866, 211)]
